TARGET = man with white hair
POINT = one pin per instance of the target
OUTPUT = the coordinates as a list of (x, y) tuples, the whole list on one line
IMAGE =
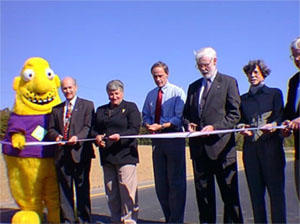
[(291, 110), (213, 104)]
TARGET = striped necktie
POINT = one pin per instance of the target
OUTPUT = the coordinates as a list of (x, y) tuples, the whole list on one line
[(67, 120)]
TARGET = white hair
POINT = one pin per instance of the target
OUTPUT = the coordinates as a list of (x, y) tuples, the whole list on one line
[(207, 51), (295, 45)]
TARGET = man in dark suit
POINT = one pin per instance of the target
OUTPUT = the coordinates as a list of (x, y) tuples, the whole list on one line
[(291, 110), (71, 121), (213, 104)]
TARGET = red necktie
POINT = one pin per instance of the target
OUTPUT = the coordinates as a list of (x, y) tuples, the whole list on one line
[(158, 106), (67, 120)]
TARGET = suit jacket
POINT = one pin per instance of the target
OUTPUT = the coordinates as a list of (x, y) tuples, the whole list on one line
[(124, 119), (290, 111), (80, 125), (221, 111), (263, 107)]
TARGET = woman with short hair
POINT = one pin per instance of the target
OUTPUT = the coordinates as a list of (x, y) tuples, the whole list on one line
[(118, 156), (263, 154)]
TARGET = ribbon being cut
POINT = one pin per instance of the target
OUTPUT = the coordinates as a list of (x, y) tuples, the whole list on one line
[(160, 135)]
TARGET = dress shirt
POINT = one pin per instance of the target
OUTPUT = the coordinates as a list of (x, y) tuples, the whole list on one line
[(203, 84), (172, 105), (72, 101)]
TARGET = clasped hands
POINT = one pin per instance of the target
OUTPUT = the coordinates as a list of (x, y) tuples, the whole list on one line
[(100, 139), (152, 128)]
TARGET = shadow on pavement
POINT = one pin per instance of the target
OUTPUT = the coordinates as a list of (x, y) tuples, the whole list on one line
[(148, 221), (106, 219), (7, 213)]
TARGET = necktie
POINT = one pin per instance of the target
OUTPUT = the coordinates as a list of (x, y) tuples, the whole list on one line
[(204, 95), (67, 120), (297, 102), (158, 107)]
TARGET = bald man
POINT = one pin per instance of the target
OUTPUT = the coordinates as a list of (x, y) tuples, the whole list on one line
[(71, 121)]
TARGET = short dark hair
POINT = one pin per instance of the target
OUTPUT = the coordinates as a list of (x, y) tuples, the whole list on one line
[(162, 65), (252, 65)]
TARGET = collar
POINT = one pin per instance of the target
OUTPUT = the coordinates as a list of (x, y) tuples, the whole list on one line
[(112, 108), (72, 101), (203, 83), (212, 78), (262, 89), (111, 111), (165, 87)]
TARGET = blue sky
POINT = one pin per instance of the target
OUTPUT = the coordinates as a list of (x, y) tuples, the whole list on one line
[(97, 41)]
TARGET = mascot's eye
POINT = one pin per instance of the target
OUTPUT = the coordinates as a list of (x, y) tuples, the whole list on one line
[(28, 75), (49, 73)]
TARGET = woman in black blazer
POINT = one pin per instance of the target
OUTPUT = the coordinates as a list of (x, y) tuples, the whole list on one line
[(118, 156), (263, 154)]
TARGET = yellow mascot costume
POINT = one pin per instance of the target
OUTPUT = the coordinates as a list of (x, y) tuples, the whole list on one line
[(30, 168)]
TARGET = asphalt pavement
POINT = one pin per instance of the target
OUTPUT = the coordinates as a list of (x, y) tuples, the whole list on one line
[(150, 210)]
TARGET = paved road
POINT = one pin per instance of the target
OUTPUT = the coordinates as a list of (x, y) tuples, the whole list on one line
[(150, 211)]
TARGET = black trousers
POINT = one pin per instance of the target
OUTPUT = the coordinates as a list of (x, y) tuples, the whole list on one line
[(225, 171), (77, 174), (264, 167)]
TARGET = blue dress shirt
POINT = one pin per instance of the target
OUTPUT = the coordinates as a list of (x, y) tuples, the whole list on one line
[(173, 100)]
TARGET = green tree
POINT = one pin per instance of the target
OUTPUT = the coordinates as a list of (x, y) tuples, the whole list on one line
[(144, 141), (289, 141), (4, 116), (239, 140)]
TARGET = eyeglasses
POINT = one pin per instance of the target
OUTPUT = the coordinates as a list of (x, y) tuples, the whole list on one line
[(199, 65)]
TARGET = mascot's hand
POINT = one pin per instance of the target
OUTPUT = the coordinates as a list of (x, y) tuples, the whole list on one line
[(18, 141)]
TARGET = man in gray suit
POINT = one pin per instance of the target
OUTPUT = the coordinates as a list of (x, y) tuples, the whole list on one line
[(71, 121), (213, 104)]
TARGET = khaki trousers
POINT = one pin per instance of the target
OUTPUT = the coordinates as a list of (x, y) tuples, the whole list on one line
[(121, 191)]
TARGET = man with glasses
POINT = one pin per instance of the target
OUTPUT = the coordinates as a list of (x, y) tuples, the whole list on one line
[(213, 104), (291, 110)]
